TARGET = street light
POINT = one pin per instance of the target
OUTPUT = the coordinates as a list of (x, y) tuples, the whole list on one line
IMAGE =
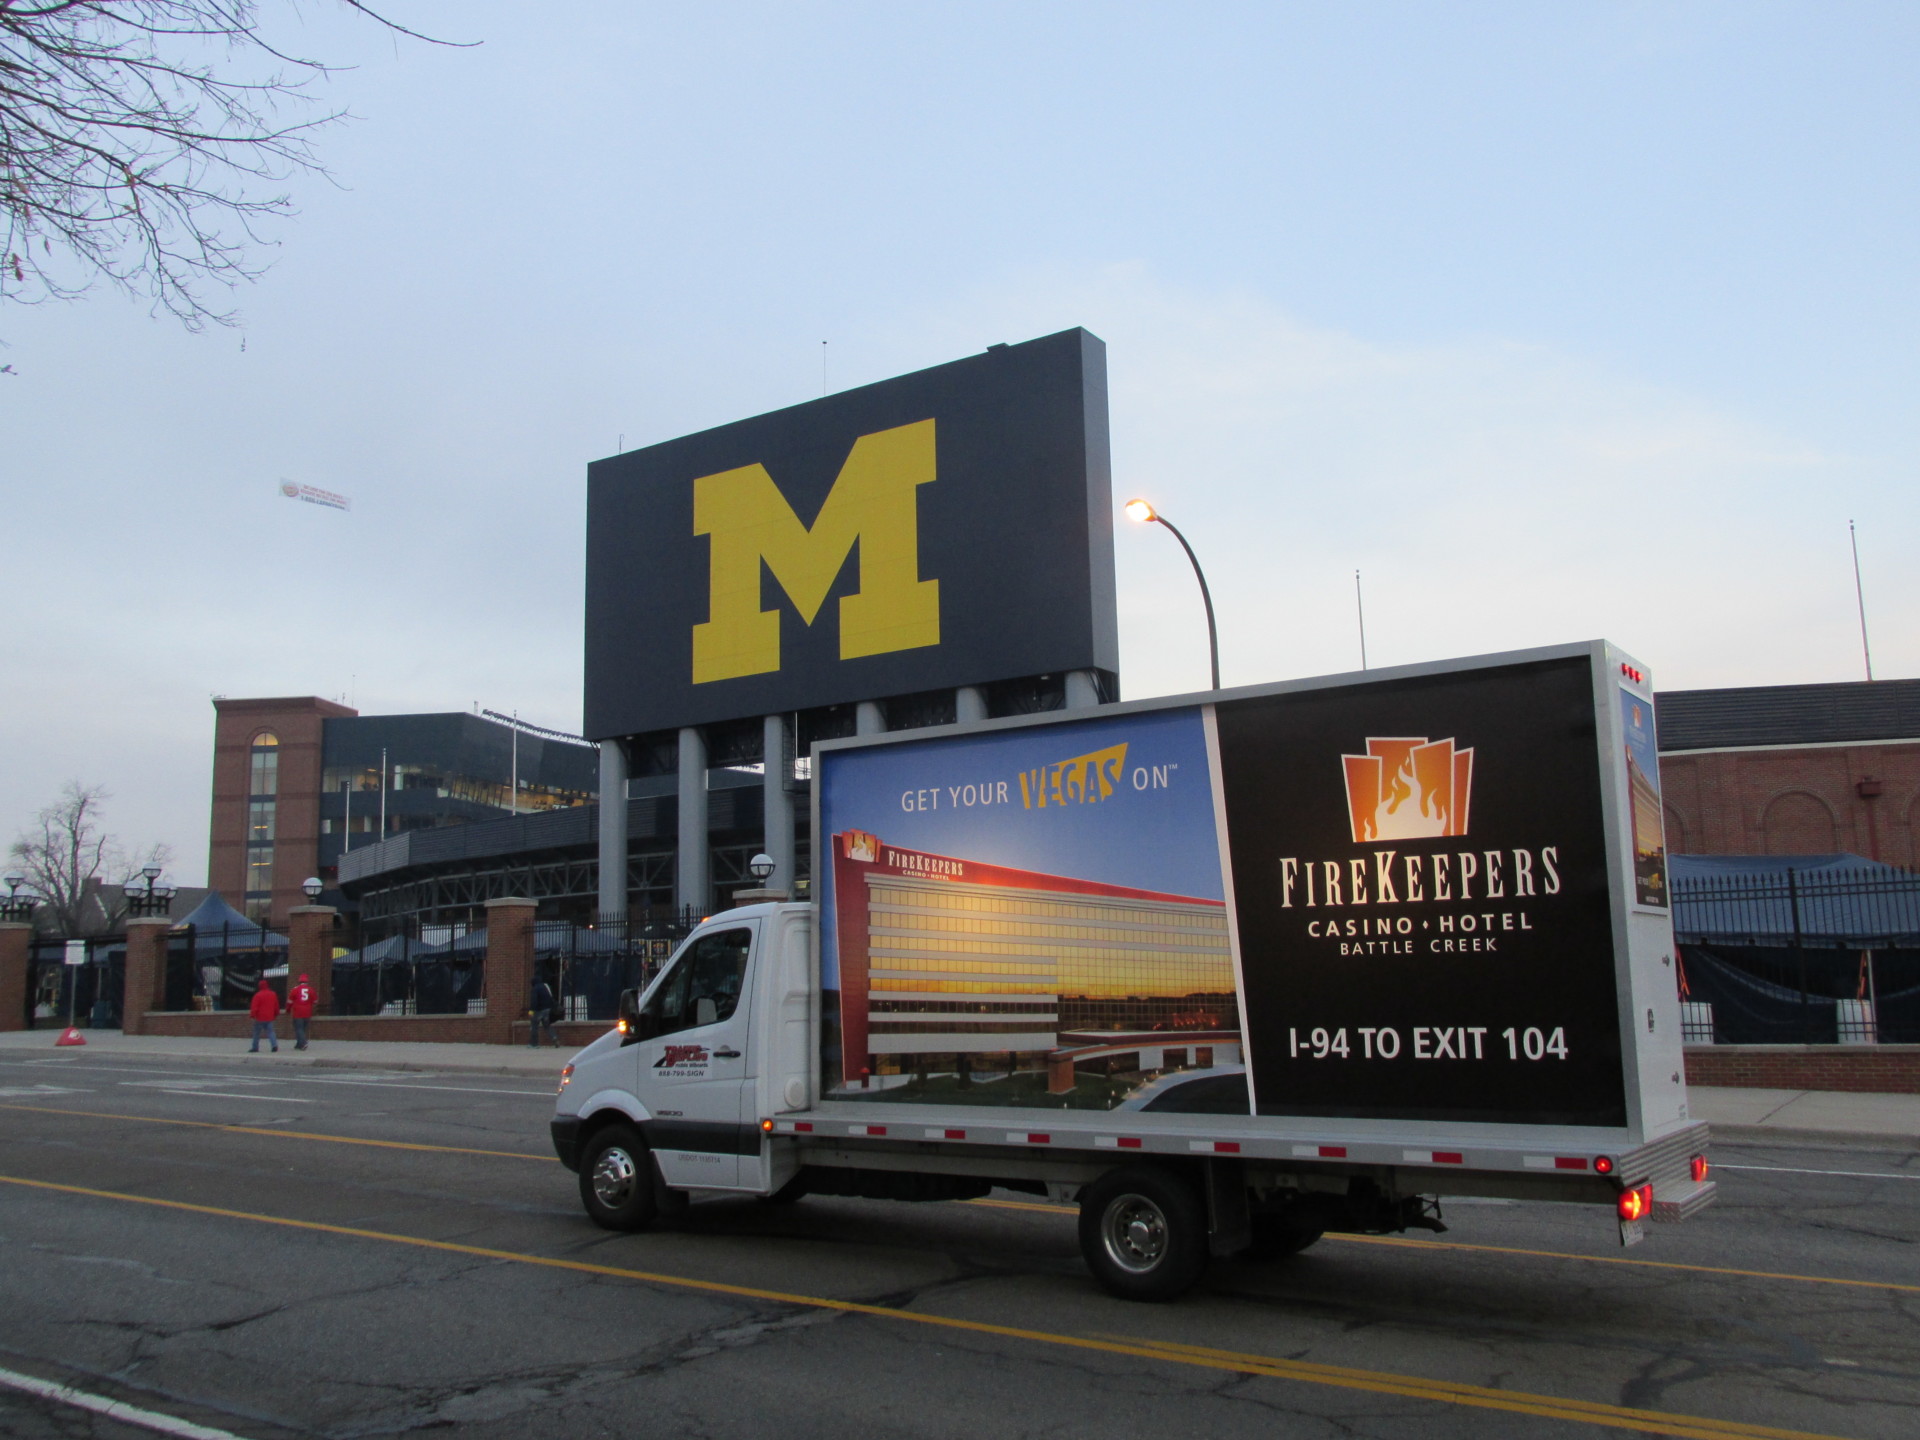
[(313, 885), (16, 907), (148, 898), (761, 866), (1143, 512)]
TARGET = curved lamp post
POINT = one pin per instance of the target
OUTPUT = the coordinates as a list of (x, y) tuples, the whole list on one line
[(1140, 510)]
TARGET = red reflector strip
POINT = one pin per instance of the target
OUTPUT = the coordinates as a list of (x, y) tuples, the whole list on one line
[(1028, 1137), (1215, 1147), (955, 1135), (1433, 1157), (805, 1126), (1569, 1162), (1321, 1152), (1448, 1157), (1117, 1142), (1129, 1142), (866, 1129)]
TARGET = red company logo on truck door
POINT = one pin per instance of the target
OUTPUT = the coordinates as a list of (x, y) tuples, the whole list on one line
[(1407, 788)]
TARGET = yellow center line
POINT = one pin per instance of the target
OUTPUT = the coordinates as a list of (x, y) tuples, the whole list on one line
[(285, 1134), (1061, 1210), (1689, 1427), (1536, 1254)]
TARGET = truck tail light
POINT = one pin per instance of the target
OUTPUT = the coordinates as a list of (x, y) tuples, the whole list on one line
[(1635, 1203), (1603, 1164), (1700, 1168)]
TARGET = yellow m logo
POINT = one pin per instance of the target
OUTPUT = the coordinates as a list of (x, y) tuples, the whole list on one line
[(873, 501)]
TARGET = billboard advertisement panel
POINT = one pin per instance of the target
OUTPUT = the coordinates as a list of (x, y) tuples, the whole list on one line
[(1379, 900), (949, 527)]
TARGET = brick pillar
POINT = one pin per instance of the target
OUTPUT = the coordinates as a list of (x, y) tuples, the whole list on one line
[(509, 965), (16, 942), (310, 951), (146, 972)]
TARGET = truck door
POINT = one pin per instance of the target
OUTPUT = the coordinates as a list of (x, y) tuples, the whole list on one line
[(695, 1068)]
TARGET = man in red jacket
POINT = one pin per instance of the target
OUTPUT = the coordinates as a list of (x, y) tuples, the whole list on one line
[(265, 1010), (300, 1006)]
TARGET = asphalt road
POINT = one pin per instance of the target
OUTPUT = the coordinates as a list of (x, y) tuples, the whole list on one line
[(200, 1241)]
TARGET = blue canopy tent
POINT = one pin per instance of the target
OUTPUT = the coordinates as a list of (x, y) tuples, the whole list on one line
[(217, 926), (393, 949)]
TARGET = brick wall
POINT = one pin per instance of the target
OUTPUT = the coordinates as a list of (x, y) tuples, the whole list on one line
[(1795, 801), (298, 721), (15, 943), (1874, 1069)]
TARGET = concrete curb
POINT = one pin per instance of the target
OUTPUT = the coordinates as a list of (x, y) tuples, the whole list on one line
[(1781, 1135)]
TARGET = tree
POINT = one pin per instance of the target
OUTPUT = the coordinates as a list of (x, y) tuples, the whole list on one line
[(65, 853), (125, 157)]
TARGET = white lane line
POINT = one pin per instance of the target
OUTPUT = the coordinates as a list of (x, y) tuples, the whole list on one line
[(113, 1409), (1793, 1170), (17, 1092), (292, 1079), (229, 1095)]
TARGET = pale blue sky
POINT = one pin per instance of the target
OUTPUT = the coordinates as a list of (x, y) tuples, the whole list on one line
[(1556, 320)]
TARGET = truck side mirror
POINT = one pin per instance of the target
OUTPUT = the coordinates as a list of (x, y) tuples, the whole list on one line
[(632, 1020)]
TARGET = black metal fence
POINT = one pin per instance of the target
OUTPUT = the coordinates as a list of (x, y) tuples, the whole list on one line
[(219, 969), (1806, 958), (589, 965), (89, 991)]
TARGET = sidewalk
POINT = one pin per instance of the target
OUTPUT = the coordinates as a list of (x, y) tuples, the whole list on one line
[(1747, 1115), (322, 1055), (1735, 1114)]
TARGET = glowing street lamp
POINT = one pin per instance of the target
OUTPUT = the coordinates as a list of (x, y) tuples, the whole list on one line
[(1143, 512)]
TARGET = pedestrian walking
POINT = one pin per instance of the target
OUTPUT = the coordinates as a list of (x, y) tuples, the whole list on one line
[(300, 1006), (540, 1014), (265, 1009)]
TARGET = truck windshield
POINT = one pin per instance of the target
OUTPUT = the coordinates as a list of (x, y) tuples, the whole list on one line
[(704, 987)]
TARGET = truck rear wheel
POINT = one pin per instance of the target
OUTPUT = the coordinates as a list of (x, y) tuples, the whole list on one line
[(1143, 1231), (616, 1180)]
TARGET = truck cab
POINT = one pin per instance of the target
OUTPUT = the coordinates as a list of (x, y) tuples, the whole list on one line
[(719, 1039)]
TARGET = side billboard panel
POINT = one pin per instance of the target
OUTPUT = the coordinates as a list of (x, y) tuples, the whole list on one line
[(1385, 900)]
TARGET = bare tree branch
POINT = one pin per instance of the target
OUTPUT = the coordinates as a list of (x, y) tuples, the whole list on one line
[(65, 851), (127, 156)]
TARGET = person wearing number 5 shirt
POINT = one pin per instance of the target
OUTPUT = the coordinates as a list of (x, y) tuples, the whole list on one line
[(300, 1006)]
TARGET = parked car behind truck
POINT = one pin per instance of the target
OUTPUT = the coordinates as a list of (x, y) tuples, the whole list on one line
[(1228, 971)]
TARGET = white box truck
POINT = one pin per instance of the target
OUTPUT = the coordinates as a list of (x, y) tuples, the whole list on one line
[(1228, 971)]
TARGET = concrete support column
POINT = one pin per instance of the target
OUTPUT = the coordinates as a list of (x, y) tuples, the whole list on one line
[(777, 803), (869, 718), (509, 965), (613, 829), (15, 946), (310, 951), (969, 703), (692, 889), (1082, 692), (146, 979)]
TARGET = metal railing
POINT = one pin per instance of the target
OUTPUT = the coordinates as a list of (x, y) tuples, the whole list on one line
[(1792, 957)]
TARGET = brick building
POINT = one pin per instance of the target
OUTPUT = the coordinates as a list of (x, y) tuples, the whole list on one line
[(1793, 770), (299, 781)]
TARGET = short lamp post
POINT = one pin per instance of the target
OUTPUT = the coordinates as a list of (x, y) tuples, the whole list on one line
[(313, 885), (1143, 512), (761, 866), (15, 907), (147, 898)]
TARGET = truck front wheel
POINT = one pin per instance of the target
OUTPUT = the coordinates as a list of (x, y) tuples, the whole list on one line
[(1143, 1231), (616, 1180)]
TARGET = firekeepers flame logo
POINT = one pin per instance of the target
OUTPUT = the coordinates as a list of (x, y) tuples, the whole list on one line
[(1408, 789)]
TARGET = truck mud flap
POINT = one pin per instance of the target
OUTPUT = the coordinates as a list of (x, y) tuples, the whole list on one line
[(1229, 1217)]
